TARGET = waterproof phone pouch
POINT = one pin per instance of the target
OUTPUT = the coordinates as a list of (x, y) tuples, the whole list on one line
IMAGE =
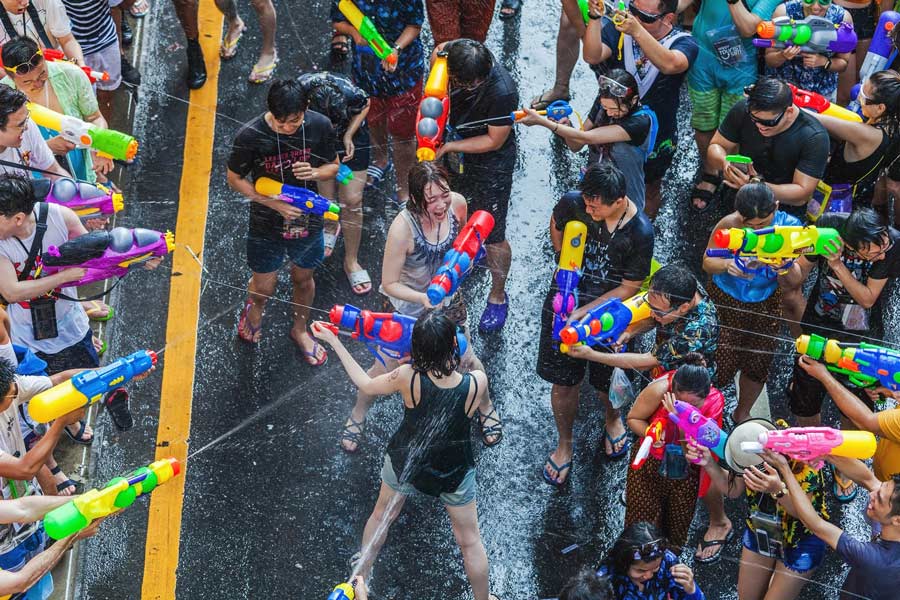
[(453, 161), (43, 318), (727, 43), (297, 228), (855, 317), (769, 535), (674, 464), (837, 198)]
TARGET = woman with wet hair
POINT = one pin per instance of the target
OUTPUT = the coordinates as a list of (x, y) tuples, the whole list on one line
[(640, 566), (431, 451), (618, 129)]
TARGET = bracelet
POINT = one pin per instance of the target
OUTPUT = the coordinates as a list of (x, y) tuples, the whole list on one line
[(595, 17), (555, 128), (780, 494), (827, 64)]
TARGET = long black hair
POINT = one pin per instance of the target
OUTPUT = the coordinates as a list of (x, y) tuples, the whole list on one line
[(692, 377), (434, 347), (886, 90)]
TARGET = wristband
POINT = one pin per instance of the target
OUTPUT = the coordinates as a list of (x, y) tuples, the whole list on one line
[(827, 64), (555, 128), (595, 17)]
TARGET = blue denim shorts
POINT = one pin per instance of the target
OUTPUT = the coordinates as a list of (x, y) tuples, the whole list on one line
[(16, 558), (267, 255), (807, 553), (461, 496)]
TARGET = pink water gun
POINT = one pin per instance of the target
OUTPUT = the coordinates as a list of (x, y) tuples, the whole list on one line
[(699, 428), (812, 444)]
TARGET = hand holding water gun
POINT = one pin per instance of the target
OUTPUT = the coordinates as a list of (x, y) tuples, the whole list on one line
[(89, 386), (820, 104), (389, 332), (881, 53), (88, 200), (52, 55), (467, 249), (119, 493), (431, 120), (775, 247), (350, 590), (299, 197), (105, 254), (653, 436), (568, 274), (813, 444), (555, 111), (698, 427), (865, 365), (106, 142), (615, 11), (605, 323), (367, 30), (344, 175), (816, 35)]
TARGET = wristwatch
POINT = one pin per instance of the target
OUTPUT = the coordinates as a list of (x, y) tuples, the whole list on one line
[(595, 17), (780, 494), (398, 49), (827, 66)]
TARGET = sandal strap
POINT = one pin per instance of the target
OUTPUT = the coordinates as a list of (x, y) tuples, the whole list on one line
[(347, 432), (713, 178)]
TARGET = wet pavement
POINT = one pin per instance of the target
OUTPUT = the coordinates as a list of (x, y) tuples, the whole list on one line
[(272, 507)]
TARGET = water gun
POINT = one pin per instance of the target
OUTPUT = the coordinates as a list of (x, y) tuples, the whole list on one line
[(106, 142), (366, 29), (699, 428), (104, 254), (652, 436), (119, 493), (604, 323), (571, 257), (299, 197), (53, 55), (468, 248), (881, 51), (344, 174), (775, 247), (389, 332), (618, 11), (343, 591), (816, 35), (865, 365), (556, 110), (431, 120), (812, 444), (88, 200), (820, 104), (89, 386)]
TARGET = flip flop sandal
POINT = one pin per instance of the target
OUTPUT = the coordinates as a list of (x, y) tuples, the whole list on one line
[(244, 324), (228, 49), (340, 46), (259, 75), (99, 346), (707, 196), (541, 103), (709, 544), (555, 482), (310, 356), (496, 428), (97, 307), (357, 278), (79, 438), (838, 483), (377, 174), (139, 9), (514, 5), (354, 437), (116, 403), (331, 240), (66, 484), (612, 444)]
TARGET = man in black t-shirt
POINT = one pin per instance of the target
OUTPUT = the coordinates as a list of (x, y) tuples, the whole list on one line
[(658, 54), (617, 257), (789, 148), (295, 146), (481, 157)]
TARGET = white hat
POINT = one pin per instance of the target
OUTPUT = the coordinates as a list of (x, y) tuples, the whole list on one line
[(748, 431)]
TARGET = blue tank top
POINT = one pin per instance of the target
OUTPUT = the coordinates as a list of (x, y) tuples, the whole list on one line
[(758, 288)]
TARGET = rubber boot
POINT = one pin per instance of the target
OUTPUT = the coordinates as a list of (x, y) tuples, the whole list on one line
[(196, 71)]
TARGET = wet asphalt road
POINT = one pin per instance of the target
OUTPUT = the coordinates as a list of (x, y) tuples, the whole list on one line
[(276, 509)]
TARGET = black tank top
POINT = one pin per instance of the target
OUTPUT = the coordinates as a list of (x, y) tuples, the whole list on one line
[(860, 174), (432, 448)]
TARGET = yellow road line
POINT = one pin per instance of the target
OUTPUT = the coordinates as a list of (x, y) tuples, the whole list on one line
[(164, 524)]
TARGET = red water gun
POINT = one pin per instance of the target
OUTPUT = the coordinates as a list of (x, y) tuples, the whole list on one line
[(467, 249)]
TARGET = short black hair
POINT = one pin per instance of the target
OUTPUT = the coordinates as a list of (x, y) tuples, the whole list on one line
[(468, 60), (769, 94), (864, 226), (603, 180), (668, 6), (18, 51), (7, 376), (895, 496), (434, 349), (587, 585), (676, 283), (286, 97), (16, 194), (755, 200), (11, 100)]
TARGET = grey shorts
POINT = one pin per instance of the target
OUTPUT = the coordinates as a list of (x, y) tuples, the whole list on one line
[(464, 494), (109, 60)]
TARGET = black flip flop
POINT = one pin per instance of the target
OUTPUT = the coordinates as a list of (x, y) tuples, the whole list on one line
[(514, 5), (708, 544), (79, 438), (116, 403)]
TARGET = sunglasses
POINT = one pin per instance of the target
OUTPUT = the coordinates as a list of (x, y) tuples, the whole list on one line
[(649, 551), (767, 122), (821, 2), (33, 63), (659, 312), (865, 99), (609, 88), (645, 16)]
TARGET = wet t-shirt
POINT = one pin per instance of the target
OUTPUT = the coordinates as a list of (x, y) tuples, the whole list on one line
[(628, 156), (874, 568), (608, 257), (258, 151), (489, 104)]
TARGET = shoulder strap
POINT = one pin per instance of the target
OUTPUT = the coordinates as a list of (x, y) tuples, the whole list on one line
[(412, 386), (7, 24), (38, 26), (649, 143), (23, 166), (41, 228), (469, 403)]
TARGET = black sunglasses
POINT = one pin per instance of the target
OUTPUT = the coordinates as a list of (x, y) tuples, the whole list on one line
[(767, 122), (644, 16), (649, 551)]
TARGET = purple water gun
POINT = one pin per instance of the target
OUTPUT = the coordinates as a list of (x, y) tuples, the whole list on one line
[(88, 200), (816, 35), (700, 428), (106, 254)]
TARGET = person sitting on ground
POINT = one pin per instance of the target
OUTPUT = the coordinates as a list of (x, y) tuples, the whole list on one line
[(618, 129), (415, 249), (874, 565), (439, 404), (587, 585), (640, 566)]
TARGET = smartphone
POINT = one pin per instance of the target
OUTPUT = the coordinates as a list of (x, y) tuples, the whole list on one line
[(740, 162), (762, 542)]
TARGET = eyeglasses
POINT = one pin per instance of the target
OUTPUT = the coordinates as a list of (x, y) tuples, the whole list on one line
[(612, 88), (821, 2), (880, 253), (865, 99), (467, 86), (33, 63), (644, 16), (649, 551), (767, 122), (659, 312)]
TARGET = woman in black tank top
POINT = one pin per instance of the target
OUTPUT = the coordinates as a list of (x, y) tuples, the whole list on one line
[(431, 451)]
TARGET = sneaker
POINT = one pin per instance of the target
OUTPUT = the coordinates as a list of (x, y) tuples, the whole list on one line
[(127, 33), (130, 74), (494, 316)]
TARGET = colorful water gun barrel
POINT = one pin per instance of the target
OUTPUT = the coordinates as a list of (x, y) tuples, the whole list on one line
[(107, 142), (367, 30), (343, 591), (431, 119), (820, 104), (300, 197), (459, 260)]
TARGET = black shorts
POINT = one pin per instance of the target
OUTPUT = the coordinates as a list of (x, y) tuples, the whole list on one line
[(555, 367), (864, 21), (487, 188), (361, 153), (659, 162)]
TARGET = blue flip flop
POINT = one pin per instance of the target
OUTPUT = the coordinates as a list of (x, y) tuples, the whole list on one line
[(612, 444), (559, 469), (377, 174)]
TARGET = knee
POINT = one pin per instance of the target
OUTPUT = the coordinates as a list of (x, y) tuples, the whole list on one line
[(304, 282), (352, 201)]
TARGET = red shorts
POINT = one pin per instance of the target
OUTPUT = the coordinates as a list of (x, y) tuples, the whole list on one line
[(397, 113)]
